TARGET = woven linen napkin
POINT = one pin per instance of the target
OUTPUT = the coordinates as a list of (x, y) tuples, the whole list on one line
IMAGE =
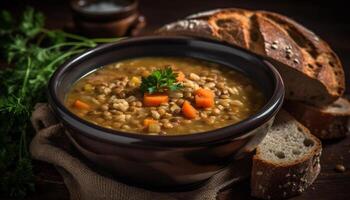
[(84, 181)]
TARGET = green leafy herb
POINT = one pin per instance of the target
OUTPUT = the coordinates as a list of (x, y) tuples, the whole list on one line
[(159, 81), (32, 54)]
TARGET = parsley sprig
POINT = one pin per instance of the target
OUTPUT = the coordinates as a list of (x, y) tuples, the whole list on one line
[(160, 80), (32, 54)]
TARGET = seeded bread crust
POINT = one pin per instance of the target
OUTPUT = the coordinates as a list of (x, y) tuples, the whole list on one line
[(271, 179), (330, 122), (311, 71)]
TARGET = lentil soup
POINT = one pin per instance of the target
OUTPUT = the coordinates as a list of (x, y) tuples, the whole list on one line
[(164, 96)]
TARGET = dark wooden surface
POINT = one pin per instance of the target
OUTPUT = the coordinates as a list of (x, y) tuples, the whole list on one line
[(329, 20)]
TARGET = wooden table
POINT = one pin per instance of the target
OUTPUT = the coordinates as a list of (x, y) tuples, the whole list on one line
[(330, 21)]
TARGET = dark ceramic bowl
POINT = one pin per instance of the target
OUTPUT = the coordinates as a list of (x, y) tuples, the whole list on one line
[(163, 162)]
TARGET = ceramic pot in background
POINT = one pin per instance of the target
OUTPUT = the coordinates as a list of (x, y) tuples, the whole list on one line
[(107, 18)]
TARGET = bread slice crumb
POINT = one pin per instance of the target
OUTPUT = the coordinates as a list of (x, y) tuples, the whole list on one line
[(287, 160)]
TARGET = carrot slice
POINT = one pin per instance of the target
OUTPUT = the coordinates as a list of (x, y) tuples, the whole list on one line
[(204, 102), (148, 121), (81, 105), (180, 76), (155, 99), (204, 98), (204, 93), (188, 110)]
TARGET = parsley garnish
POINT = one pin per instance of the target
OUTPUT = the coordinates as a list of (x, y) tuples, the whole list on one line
[(160, 80), (32, 54)]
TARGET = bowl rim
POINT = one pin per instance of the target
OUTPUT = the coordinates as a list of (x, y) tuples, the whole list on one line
[(240, 129)]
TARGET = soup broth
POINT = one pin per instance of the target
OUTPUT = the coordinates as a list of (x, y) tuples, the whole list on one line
[(164, 96)]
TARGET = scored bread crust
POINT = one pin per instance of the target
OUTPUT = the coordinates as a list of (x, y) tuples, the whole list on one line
[(272, 179), (311, 70), (330, 122)]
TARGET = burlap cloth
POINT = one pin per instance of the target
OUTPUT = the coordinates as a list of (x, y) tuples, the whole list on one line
[(84, 181)]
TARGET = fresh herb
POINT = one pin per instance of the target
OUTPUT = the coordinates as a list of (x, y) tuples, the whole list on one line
[(159, 81), (32, 54)]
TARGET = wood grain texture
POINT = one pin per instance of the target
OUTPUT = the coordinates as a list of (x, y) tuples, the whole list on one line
[(326, 19)]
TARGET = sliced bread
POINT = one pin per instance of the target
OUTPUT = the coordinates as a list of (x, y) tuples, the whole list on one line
[(287, 161), (330, 122), (312, 72)]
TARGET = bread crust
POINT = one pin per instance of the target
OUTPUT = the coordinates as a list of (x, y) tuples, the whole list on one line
[(299, 54), (326, 123), (326, 65), (281, 182), (274, 180)]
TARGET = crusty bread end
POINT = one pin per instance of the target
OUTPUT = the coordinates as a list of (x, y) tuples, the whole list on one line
[(311, 71), (329, 122)]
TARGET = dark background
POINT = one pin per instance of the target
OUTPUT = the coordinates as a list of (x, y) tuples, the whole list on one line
[(330, 20)]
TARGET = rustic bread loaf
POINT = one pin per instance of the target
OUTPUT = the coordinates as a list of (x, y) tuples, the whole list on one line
[(311, 71), (330, 122), (287, 161)]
